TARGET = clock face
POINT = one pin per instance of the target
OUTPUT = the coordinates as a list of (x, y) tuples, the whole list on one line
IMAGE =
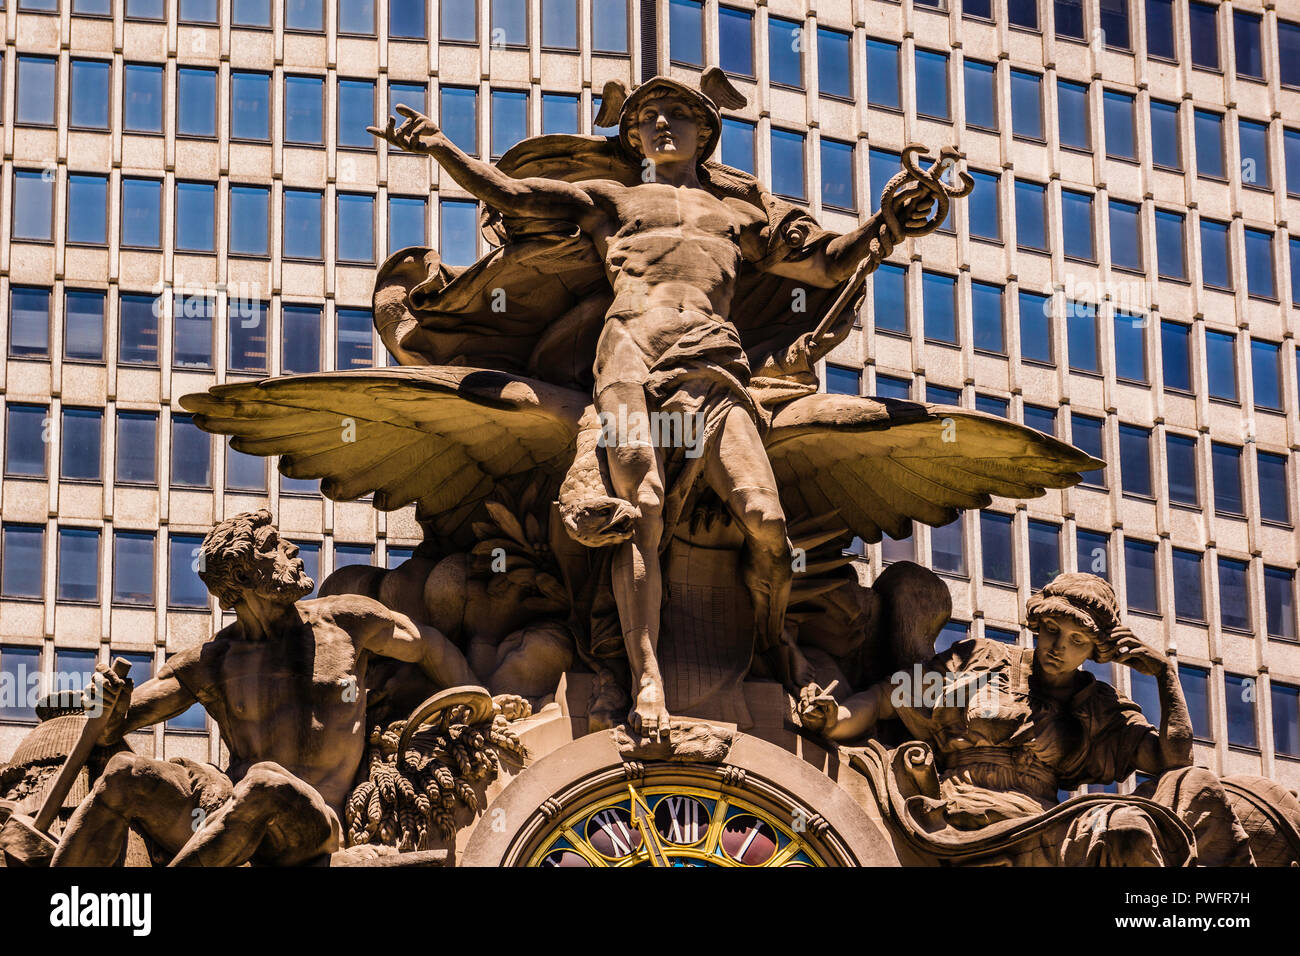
[(675, 824)]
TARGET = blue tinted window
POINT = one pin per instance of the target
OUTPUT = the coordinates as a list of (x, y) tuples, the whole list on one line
[(938, 295), (950, 634), (355, 339), (1286, 717), (509, 22), (843, 381), (459, 117), (932, 84), (509, 119), (1189, 599), (184, 589), (1196, 691), (406, 18), (1076, 219), (142, 213), (889, 298), (251, 13), (1035, 327), (1253, 138), (1288, 44), (250, 106), (1044, 553), (83, 326), (991, 405), (1234, 606), (1040, 419), (192, 323), (33, 205), (735, 40), (1088, 437), (787, 163), (1125, 235), (191, 454), (137, 460), (834, 66), (738, 144), (1027, 104), (37, 82), (1215, 269), (887, 386), (1181, 454), (90, 80), (81, 444), (1239, 699), (458, 244), (195, 216), (981, 94), (1175, 347), (248, 337), (986, 317), (1023, 13), (1081, 327), (1130, 347), (138, 330), (1031, 228), (1160, 29), (301, 334), (686, 32), (882, 74), (947, 551), (133, 567), (1220, 355), (414, 95), (356, 227), (349, 554), (882, 166), (244, 472), (406, 222), (302, 224), (356, 112), (1209, 144), (1164, 135), (306, 15), (1142, 586), (250, 210), (609, 27), (1226, 460), (143, 98), (982, 206), (1120, 139), (1279, 603), (1069, 19), (785, 51), (1266, 373), (1135, 460), (1205, 35), (996, 548), (23, 565), (1072, 107), (1259, 263), (1170, 256), (198, 11), (357, 16), (1093, 554), (88, 195), (940, 395), (78, 572), (837, 174), (25, 442), (1294, 246), (1291, 149), (303, 103), (559, 113), (1273, 490), (196, 102)]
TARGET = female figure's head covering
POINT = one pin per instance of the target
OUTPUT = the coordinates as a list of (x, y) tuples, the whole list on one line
[(1085, 599)]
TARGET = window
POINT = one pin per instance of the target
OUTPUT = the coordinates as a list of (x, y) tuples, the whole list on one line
[(1044, 553), (1040, 419), (1209, 144), (1027, 104), (37, 89), (302, 224), (1196, 691), (133, 567), (1239, 699), (1031, 216), (1023, 13), (356, 112), (834, 64), (608, 26), (1035, 327), (509, 120), (250, 106), (184, 588), (1118, 109), (248, 338), (458, 22), (1205, 35), (304, 15), (83, 326), (1294, 246), (407, 94), (785, 52), (407, 18), (888, 386), (1114, 23), (196, 207), (1220, 354), (458, 114), (1286, 719), (1130, 347), (686, 32), (1072, 110), (29, 322), (992, 405), (843, 381), (396, 557), (1165, 151), (1089, 436), (986, 317), (136, 456), (1253, 138), (1160, 29), (137, 330), (406, 222), (837, 174), (1246, 41), (559, 113), (304, 99), (91, 8), (1135, 460), (90, 82), (950, 634), (357, 17), (355, 227), (1180, 452), (1076, 220), (882, 165), (1125, 235), (996, 547), (245, 472), (192, 324), (1266, 374), (941, 395), (78, 569), (25, 443), (1288, 44), (738, 144), (1259, 264), (142, 98), (33, 206), (1189, 598), (146, 10), (981, 94), (1171, 258), (23, 561), (1141, 585), (938, 297), (250, 220), (346, 555), (977, 8), (458, 241), (787, 163), (191, 454), (1215, 269), (889, 298), (1273, 490), (883, 88), (354, 346), (300, 335), (1226, 461), (20, 669), (142, 213), (932, 84), (1093, 552), (196, 102), (1279, 603), (1069, 19), (198, 11), (946, 551), (982, 207), (251, 13), (81, 444), (1081, 328)]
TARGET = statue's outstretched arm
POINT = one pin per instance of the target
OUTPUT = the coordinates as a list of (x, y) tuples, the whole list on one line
[(535, 198), (1170, 747), (392, 634)]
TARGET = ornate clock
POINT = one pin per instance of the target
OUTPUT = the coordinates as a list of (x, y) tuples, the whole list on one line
[(748, 804)]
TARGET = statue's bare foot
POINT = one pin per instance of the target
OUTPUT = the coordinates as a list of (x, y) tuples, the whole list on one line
[(648, 717)]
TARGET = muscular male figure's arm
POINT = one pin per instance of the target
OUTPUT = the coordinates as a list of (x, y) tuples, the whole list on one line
[(392, 634), (154, 701), (863, 711)]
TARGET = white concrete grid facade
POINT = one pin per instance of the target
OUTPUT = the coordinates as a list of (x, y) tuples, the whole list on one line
[(165, 509)]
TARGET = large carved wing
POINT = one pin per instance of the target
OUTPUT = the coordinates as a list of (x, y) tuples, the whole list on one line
[(440, 437), (883, 463)]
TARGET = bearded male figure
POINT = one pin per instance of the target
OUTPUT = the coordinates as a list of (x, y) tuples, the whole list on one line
[(672, 250), (285, 682)]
